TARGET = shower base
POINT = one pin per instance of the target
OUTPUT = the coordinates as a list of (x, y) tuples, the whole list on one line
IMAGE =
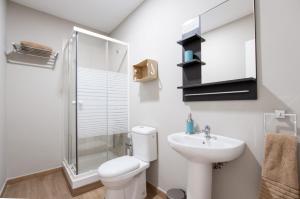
[(77, 181), (88, 166)]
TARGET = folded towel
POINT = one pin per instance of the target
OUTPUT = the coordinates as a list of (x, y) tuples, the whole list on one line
[(280, 169), (35, 45), (36, 49)]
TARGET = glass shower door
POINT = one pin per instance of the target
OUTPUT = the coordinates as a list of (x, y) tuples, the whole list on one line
[(72, 105), (117, 99), (92, 103)]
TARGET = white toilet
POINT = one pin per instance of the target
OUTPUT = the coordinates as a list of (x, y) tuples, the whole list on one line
[(125, 177)]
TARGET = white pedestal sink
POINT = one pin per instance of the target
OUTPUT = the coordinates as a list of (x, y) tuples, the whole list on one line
[(201, 153)]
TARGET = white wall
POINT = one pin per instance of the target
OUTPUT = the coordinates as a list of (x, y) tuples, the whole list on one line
[(152, 31), (34, 95), (2, 93)]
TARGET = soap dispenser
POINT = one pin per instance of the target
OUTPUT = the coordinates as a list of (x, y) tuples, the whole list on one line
[(189, 125)]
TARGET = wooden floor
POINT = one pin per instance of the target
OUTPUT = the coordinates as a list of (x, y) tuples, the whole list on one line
[(51, 186)]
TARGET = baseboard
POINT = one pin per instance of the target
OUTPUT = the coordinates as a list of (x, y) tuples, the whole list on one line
[(156, 190), (33, 175), (3, 188), (81, 190)]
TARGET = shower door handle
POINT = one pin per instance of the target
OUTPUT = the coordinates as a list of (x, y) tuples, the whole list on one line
[(79, 102)]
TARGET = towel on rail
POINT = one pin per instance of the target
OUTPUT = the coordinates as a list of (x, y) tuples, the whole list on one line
[(36, 48), (280, 169)]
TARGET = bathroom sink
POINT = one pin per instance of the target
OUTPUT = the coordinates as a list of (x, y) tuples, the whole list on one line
[(201, 153), (197, 148)]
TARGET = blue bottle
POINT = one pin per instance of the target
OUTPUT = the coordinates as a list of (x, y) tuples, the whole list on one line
[(188, 55), (189, 125)]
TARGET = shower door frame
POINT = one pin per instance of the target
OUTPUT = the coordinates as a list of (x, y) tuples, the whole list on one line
[(76, 31)]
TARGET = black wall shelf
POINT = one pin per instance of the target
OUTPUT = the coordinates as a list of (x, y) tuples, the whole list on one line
[(192, 38), (191, 63), (218, 83), (227, 90)]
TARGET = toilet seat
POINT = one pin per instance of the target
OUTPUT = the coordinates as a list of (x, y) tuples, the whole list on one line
[(118, 166), (124, 177), (122, 174)]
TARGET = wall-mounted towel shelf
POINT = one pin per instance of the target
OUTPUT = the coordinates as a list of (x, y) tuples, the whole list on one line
[(31, 56)]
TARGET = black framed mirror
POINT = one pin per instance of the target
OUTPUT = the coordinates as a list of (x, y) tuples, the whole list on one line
[(223, 61)]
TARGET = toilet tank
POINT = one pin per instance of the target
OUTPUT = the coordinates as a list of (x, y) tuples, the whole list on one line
[(144, 141)]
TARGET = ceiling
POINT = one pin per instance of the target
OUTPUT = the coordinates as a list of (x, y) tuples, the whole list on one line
[(103, 15)]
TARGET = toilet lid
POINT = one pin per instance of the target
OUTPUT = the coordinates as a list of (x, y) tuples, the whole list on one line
[(118, 166)]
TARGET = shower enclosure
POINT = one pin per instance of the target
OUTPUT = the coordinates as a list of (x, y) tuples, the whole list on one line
[(96, 101)]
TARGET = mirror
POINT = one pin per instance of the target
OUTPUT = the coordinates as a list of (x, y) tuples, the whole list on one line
[(229, 50)]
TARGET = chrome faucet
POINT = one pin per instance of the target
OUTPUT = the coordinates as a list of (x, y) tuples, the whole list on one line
[(206, 132)]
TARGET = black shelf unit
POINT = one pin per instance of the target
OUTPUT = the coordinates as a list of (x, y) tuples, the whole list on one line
[(191, 71), (194, 90), (191, 63), (193, 38)]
